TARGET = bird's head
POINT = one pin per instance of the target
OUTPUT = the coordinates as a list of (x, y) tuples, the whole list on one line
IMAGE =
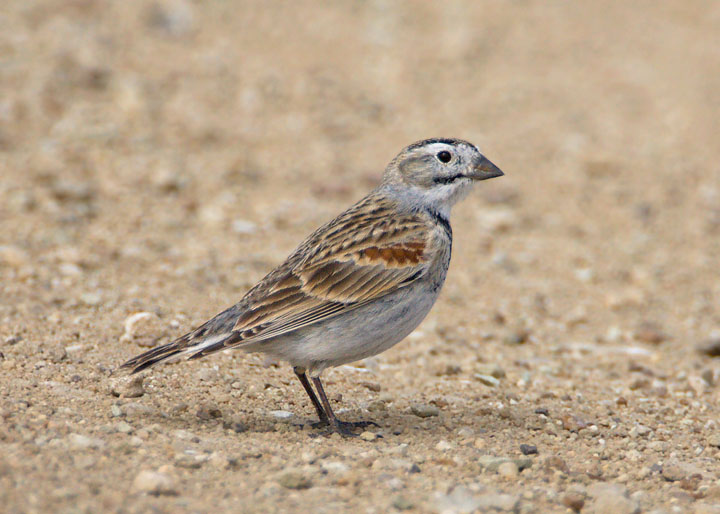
[(439, 171)]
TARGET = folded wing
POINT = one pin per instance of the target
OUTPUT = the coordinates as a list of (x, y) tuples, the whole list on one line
[(364, 254)]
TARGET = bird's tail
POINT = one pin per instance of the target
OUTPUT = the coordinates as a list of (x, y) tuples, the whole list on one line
[(195, 344)]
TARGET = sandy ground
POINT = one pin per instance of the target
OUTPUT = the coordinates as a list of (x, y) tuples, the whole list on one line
[(161, 157)]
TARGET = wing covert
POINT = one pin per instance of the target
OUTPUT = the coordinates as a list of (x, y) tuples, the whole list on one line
[(361, 256)]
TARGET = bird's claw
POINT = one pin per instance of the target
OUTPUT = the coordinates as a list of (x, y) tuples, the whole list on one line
[(344, 428)]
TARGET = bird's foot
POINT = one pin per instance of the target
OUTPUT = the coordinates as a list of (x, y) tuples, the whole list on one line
[(344, 428), (358, 424)]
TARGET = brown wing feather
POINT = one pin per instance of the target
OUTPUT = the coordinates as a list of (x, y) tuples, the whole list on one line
[(362, 255), (366, 252)]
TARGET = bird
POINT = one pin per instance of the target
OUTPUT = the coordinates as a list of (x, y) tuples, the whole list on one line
[(356, 286)]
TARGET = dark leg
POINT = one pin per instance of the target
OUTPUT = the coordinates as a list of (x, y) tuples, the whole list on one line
[(308, 389), (341, 427)]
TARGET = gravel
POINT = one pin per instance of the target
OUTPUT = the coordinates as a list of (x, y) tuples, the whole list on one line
[(159, 158)]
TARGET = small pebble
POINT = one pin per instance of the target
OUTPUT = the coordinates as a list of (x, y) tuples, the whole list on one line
[(498, 502), (127, 387), (424, 410), (240, 226), (402, 503), (573, 500), (143, 329), (573, 423), (528, 449), (91, 299), (123, 427), (650, 333), (710, 347), (698, 384), (208, 411), (640, 431), (57, 354), (335, 467), (236, 424), (188, 461), (368, 436), (491, 369), (80, 442), (508, 470), (444, 446), (714, 439), (294, 480), (487, 380), (13, 256), (555, 462), (220, 461), (460, 499), (493, 463), (372, 386), (611, 498), (377, 406), (153, 482), (517, 337), (208, 375), (281, 414), (673, 471), (466, 432), (614, 504)]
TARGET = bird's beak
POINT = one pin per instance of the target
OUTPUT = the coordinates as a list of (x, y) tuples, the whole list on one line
[(483, 169)]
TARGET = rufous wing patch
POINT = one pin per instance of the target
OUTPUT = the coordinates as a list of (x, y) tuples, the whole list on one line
[(393, 256)]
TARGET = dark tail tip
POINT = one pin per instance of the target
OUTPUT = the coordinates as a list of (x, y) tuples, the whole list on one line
[(150, 358)]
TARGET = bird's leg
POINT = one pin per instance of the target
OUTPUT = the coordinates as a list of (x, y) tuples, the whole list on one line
[(335, 423), (300, 372), (341, 427)]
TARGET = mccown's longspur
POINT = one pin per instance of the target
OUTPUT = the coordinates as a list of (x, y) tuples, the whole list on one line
[(357, 285)]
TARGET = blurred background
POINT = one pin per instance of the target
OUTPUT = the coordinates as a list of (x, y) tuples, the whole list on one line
[(221, 132), (163, 155)]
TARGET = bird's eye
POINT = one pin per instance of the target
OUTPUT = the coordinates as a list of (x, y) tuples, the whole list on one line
[(444, 157)]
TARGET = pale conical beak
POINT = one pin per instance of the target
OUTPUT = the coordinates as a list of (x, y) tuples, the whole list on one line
[(483, 169)]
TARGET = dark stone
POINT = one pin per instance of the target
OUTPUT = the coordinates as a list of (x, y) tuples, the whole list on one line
[(528, 449)]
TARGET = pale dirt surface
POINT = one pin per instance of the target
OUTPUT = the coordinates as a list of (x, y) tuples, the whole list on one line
[(162, 157)]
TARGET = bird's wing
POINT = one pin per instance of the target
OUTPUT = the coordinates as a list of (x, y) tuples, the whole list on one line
[(368, 251), (363, 255)]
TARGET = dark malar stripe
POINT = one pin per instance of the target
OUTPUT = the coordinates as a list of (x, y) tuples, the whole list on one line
[(448, 180)]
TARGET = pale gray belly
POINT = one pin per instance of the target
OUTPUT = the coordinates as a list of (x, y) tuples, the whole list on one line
[(357, 334)]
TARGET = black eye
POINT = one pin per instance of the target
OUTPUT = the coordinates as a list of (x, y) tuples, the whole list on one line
[(444, 157)]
